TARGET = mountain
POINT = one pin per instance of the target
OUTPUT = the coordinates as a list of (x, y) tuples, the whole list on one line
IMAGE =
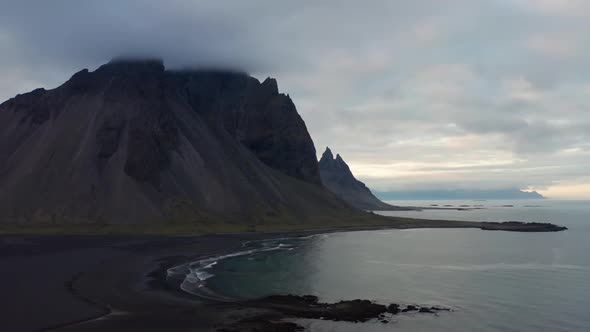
[(460, 194), (336, 175), (133, 142)]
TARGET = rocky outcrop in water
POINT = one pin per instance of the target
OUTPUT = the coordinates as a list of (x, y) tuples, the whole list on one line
[(134, 143), (519, 226), (308, 306)]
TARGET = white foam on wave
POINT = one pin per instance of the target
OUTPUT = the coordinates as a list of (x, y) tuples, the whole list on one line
[(202, 275), (208, 266), (195, 276)]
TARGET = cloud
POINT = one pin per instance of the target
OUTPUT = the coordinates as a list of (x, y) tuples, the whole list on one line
[(555, 7), (420, 94)]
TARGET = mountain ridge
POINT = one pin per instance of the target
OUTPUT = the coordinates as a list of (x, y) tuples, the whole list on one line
[(337, 176), (132, 142)]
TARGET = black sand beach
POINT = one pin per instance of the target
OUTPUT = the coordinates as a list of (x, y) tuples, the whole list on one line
[(98, 283), (117, 282)]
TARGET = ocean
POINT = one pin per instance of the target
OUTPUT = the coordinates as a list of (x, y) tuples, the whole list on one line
[(493, 280)]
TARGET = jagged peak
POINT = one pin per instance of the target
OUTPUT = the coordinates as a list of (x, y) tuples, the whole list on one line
[(337, 176), (327, 155), (329, 162), (340, 163), (270, 85)]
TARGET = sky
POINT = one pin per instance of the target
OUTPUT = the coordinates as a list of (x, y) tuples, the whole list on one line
[(422, 94)]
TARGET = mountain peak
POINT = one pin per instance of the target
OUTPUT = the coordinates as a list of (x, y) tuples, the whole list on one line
[(338, 178), (133, 142), (328, 162), (327, 154), (270, 85)]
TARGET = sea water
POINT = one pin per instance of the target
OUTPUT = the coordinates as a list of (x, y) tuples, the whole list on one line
[(493, 280)]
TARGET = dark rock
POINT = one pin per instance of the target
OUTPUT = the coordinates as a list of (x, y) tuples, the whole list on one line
[(292, 299), (270, 86), (310, 299), (517, 226), (257, 116), (296, 306), (410, 308), (108, 137), (134, 143), (337, 177), (355, 310), (393, 308), (308, 307)]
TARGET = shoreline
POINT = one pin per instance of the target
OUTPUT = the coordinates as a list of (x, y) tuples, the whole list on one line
[(286, 308), (78, 282)]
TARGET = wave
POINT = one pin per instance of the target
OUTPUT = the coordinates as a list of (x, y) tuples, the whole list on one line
[(195, 274)]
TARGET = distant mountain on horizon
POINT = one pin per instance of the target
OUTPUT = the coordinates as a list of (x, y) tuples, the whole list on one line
[(491, 194)]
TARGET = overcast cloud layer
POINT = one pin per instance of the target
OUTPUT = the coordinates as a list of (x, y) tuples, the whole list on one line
[(413, 94)]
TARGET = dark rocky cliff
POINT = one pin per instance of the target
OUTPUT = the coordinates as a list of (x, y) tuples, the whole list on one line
[(337, 177), (132, 142)]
